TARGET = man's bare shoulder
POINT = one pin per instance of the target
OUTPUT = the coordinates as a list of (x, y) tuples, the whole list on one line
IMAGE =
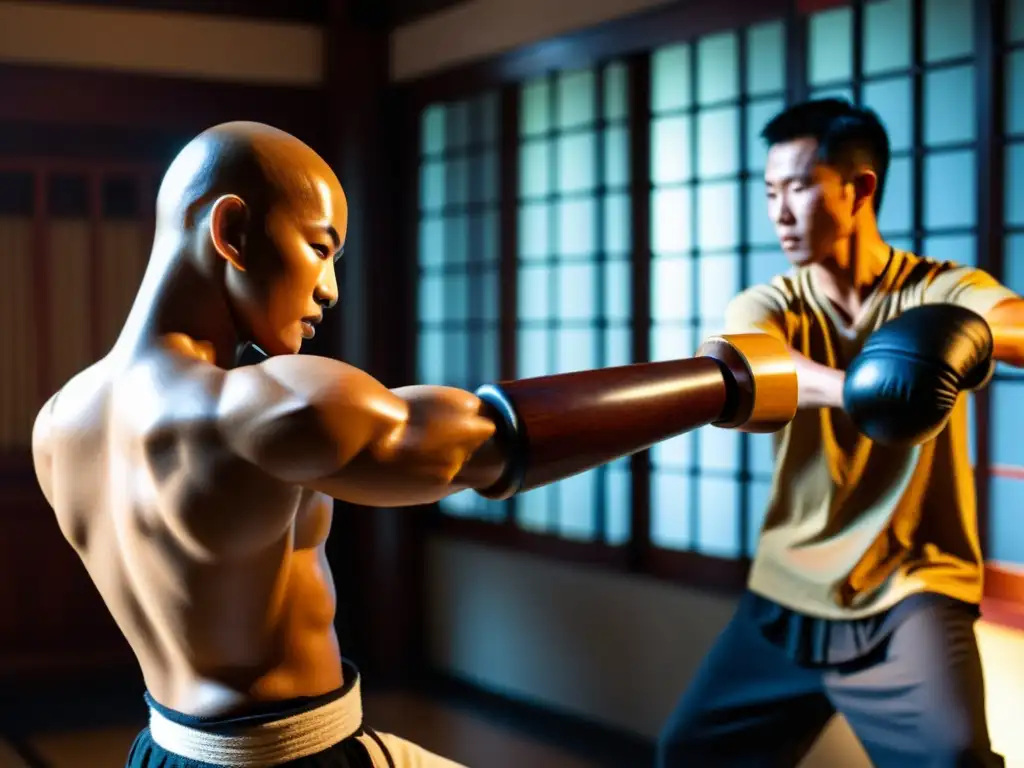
[(69, 422), (302, 417), (164, 390), (277, 415), (304, 377), (163, 394), (165, 426), (291, 418), (43, 438)]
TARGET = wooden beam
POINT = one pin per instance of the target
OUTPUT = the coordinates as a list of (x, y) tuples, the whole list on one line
[(57, 96), (671, 23), (298, 11), (302, 11), (639, 127), (379, 553), (989, 84)]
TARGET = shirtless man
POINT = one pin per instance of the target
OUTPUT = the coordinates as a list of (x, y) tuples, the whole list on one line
[(198, 490), (198, 493)]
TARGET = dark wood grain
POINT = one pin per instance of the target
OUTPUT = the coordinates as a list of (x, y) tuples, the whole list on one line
[(59, 96), (53, 624), (303, 11), (378, 555), (558, 426)]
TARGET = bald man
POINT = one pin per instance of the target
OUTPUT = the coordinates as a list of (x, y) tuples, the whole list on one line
[(198, 492)]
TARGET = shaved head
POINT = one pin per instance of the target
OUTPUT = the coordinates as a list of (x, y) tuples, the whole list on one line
[(262, 165), (257, 213)]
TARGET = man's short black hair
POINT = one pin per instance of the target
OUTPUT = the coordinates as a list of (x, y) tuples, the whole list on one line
[(848, 136)]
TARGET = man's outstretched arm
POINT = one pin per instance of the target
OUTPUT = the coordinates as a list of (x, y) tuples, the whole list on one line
[(978, 291), (331, 427), (761, 309)]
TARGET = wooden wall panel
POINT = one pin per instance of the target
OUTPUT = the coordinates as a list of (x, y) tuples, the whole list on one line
[(124, 253), (53, 624), (70, 312), (17, 347), (75, 266)]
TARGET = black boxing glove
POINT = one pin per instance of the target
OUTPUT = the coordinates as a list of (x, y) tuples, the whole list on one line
[(902, 387)]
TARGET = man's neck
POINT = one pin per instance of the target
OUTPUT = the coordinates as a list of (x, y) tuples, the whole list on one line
[(852, 273), (177, 298)]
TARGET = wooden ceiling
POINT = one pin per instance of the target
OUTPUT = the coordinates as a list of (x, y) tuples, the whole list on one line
[(391, 12)]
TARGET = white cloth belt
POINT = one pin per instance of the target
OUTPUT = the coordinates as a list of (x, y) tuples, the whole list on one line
[(265, 745)]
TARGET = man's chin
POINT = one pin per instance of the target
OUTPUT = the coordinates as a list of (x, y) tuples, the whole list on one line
[(799, 258)]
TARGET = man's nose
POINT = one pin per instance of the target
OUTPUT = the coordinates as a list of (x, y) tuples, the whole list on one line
[(783, 213), (327, 288)]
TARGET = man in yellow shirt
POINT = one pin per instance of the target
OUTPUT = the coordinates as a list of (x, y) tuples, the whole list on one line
[(866, 583)]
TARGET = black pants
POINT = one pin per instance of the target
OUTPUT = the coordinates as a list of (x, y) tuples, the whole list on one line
[(348, 753), (916, 701)]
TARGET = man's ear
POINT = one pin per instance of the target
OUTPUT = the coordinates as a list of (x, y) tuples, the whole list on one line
[(865, 183), (227, 229)]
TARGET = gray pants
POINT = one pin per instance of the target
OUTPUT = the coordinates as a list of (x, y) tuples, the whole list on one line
[(915, 701)]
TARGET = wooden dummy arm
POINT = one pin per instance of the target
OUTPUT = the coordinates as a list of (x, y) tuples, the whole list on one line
[(553, 427)]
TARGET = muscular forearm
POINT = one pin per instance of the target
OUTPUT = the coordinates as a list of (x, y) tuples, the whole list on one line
[(818, 385), (443, 445), (374, 484)]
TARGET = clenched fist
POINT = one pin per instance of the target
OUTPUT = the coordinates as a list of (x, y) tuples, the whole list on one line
[(443, 429)]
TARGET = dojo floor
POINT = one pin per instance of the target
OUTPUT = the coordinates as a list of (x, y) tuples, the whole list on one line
[(473, 738)]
